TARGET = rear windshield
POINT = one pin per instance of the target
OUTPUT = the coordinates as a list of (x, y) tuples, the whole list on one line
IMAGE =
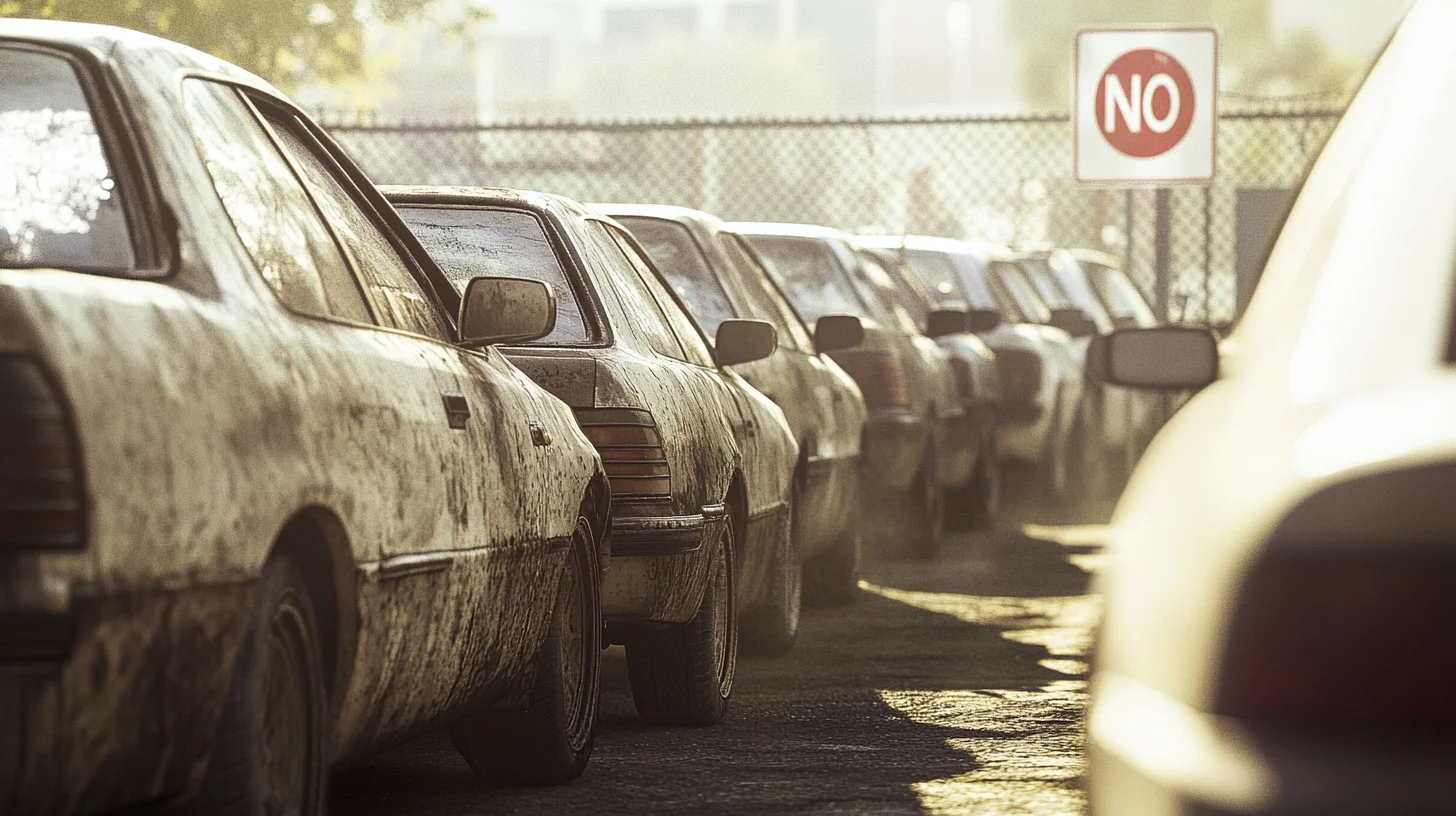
[(59, 205), (481, 243), (673, 250), (939, 273), (1039, 274), (810, 274)]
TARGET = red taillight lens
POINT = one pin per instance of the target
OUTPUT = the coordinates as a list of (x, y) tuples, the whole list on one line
[(40, 480), (631, 451), (1345, 645), (1019, 372), (880, 376)]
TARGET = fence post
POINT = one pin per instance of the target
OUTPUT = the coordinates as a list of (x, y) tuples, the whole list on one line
[(1163, 252)]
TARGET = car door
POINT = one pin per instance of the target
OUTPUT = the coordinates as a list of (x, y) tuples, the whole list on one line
[(419, 643)]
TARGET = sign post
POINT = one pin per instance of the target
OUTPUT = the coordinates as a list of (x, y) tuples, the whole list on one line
[(1145, 106)]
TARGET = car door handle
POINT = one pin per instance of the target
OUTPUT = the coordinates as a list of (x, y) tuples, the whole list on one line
[(457, 409)]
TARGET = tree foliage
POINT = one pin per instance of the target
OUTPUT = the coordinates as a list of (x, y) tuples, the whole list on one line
[(285, 41), (1256, 59)]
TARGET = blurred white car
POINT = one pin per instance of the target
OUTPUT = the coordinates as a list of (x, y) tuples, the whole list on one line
[(1280, 631)]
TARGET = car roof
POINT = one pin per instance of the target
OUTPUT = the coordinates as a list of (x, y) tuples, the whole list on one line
[(485, 197), (789, 230), (105, 41), (931, 243), (666, 212)]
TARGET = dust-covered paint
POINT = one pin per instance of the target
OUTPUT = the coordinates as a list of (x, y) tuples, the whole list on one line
[(213, 426)]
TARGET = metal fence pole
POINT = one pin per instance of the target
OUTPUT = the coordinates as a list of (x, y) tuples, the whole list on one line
[(1163, 252)]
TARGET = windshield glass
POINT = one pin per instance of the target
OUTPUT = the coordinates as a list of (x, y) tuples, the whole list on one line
[(1039, 275), (939, 272), (480, 243), (671, 247), (1123, 302), (1018, 292), (810, 274)]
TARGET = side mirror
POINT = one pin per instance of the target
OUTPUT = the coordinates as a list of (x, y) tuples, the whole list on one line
[(743, 341), (980, 321), (505, 310), (1162, 359), (941, 322), (837, 332), (1074, 322)]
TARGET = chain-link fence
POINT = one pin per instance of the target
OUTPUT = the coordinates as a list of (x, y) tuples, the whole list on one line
[(1004, 179)]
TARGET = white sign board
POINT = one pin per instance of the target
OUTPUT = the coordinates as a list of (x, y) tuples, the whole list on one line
[(1145, 106)]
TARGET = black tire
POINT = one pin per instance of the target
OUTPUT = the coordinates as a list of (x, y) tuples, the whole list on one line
[(268, 756), (1055, 474), (770, 629), (924, 511), (982, 497), (549, 742), (832, 577), (683, 675)]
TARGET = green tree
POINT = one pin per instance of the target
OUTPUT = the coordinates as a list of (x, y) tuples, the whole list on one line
[(285, 41), (1256, 59)]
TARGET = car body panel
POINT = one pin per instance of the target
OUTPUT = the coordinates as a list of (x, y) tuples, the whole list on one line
[(896, 438), (1329, 437), (820, 401), (1027, 433), (715, 427), (208, 417)]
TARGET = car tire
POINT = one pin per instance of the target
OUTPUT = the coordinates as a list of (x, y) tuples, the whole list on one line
[(683, 675), (832, 577), (268, 755), (549, 741), (924, 510), (974, 505), (770, 629)]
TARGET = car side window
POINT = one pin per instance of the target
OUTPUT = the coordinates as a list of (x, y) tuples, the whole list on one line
[(398, 297), (269, 209), (694, 346), (763, 294), (677, 255), (61, 207), (877, 285), (644, 313)]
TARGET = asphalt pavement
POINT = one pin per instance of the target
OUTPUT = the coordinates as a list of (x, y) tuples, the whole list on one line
[(952, 686)]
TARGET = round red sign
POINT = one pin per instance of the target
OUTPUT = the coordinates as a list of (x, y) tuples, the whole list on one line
[(1144, 103)]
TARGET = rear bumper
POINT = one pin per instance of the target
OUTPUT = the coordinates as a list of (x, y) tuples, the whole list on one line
[(894, 444), (1154, 755), (659, 566), (114, 702)]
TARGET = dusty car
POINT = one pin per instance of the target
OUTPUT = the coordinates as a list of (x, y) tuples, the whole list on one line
[(1115, 424), (719, 278), (264, 507), (975, 504), (701, 464), (1040, 381), (1280, 632), (919, 443)]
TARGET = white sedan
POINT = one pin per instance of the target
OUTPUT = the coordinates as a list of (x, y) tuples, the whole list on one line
[(1280, 631)]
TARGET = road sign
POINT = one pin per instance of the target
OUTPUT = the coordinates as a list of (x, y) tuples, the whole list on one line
[(1145, 106)]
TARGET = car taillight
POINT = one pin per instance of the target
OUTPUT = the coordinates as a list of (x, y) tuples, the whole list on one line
[(1019, 372), (631, 451), (965, 378), (40, 476), (880, 376), (1349, 645)]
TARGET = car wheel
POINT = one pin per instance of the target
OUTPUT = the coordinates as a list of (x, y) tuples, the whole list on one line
[(1056, 476), (832, 577), (268, 754), (683, 675), (770, 629), (549, 741), (924, 527), (974, 505)]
